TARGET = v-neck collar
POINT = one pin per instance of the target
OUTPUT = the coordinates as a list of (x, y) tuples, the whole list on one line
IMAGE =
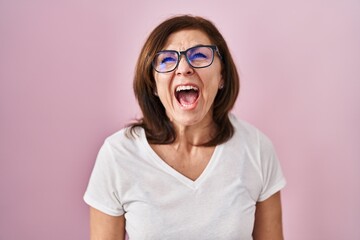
[(193, 184)]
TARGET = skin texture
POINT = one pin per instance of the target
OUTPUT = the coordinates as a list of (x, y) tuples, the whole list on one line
[(268, 219), (193, 125), (208, 80), (106, 227)]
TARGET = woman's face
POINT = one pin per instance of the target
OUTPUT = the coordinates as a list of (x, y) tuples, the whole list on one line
[(188, 93)]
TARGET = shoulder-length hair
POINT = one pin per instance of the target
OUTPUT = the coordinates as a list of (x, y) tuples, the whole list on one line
[(157, 126)]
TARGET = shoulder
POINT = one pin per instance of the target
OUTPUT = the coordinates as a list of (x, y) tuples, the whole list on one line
[(244, 128), (125, 139), (248, 133), (121, 151), (125, 135), (241, 125)]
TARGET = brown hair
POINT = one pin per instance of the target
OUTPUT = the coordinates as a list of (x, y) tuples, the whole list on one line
[(157, 126)]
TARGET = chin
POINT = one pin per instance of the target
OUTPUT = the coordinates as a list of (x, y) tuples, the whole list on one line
[(189, 120)]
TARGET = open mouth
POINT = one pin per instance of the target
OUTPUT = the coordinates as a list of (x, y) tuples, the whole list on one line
[(186, 95)]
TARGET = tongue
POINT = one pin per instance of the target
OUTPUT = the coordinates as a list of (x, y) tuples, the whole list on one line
[(187, 97)]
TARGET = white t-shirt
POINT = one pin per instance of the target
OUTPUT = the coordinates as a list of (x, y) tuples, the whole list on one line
[(160, 203)]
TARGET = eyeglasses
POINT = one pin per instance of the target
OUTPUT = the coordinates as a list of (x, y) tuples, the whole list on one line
[(198, 57)]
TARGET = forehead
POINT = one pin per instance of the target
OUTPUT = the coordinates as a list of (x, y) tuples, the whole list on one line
[(184, 39)]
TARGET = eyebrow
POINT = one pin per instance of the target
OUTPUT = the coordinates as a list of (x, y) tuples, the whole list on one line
[(197, 45)]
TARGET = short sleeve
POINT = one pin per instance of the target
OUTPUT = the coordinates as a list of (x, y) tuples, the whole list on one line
[(101, 192), (271, 172)]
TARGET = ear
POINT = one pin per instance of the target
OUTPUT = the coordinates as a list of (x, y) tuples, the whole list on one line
[(221, 84)]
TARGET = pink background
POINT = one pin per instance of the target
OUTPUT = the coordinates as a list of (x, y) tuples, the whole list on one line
[(66, 72)]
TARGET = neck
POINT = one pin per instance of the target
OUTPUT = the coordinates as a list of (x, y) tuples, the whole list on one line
[(188, 137)]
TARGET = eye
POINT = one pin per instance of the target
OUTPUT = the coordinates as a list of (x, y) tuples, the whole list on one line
[(197, 56), (166, 57), (167, 60)]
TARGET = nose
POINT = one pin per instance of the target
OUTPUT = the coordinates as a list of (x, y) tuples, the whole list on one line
[(184, 67)]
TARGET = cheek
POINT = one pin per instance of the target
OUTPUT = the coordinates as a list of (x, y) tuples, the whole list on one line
[(213, 83), (159, 85), (210, 94), (163, 90)]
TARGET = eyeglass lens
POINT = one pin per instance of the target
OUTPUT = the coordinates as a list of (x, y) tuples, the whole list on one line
[(197, 57)]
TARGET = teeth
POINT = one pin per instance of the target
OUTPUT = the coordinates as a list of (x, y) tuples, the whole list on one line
[(181, 88)]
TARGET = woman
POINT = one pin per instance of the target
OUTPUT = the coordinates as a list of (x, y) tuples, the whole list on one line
[(188, 169)]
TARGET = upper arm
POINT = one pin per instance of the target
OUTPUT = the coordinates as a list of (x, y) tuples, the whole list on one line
[(268, 219), (106, 227)]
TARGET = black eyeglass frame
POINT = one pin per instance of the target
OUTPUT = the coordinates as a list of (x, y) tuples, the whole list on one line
[(214, 48)]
